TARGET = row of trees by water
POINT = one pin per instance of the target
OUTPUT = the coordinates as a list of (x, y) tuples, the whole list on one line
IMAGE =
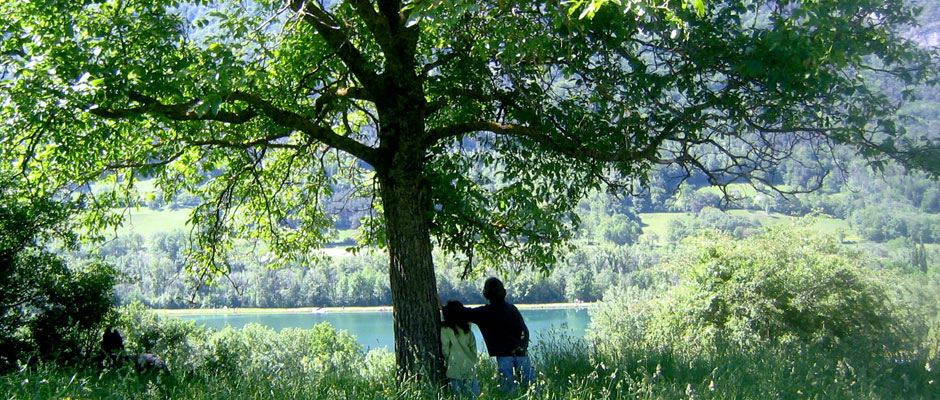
[(153, 271)]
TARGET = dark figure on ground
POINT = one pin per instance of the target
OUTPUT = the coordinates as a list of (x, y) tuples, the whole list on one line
[(460, 350), (112, 345), (506, 337)]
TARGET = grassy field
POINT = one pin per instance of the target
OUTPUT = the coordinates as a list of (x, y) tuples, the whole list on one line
[(658, 223), (736, 189), (146, 222)]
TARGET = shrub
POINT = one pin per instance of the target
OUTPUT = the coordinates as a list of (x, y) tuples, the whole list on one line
[(933, 341), (785, 285), (66, 326), (254, 349), (47, 309), (620, 229)]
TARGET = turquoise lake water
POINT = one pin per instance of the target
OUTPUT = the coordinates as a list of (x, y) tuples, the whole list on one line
[(374, 329)]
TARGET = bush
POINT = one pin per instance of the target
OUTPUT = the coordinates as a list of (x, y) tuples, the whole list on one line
[(933, 341), (782, 286), (254, 349), (882, 223), (67, 325), (46, 308), (620, 229)]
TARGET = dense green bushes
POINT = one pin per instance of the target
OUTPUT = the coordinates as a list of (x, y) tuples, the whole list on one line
[(48, 310), (781, 314), (884, 222), (783, 286), (255, 349)]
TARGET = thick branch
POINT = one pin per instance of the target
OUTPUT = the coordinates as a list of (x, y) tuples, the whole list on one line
[(391, 10), (176, 112), (284, 118), (332, 31), (441, 60), (349, 92), (379, 26), (405, 40), (292, 120)]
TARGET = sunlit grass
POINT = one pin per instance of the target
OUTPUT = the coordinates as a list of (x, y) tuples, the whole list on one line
[(146, 222), (658, 223), (735, 189), (566, 369)]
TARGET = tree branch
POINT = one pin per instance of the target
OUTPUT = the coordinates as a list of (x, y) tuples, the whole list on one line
[(292, 120), (441, 60), (176, 112), (347, 92), (406, 38), (378, 25), (284, 118), (332, 31)]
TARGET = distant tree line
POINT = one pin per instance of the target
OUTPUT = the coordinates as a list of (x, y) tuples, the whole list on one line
[(152, 271), (882, 207)]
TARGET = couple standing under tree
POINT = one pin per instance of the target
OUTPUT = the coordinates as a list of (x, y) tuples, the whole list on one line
[(504, 332)]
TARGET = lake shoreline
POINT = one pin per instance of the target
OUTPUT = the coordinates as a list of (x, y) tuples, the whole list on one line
[(333, 310)]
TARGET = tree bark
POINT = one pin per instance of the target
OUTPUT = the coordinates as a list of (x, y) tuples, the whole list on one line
[(406, 199)]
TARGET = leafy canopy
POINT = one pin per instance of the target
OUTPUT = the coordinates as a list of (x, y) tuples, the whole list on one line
[(522, 107)]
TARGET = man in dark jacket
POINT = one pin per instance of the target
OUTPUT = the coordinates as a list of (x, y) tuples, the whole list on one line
[(506, 336)]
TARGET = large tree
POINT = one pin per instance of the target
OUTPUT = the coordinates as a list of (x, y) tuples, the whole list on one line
[(475, 126)]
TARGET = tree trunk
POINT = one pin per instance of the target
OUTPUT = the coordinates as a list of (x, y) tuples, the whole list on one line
[(406, 200)]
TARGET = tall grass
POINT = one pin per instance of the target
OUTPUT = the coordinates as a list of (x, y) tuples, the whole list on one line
[(567, 368)]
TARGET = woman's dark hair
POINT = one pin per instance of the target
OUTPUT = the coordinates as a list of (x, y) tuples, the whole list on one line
[(493, 290), (454, 317), (112, 342)]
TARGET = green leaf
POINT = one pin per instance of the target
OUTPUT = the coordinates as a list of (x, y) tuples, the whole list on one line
[(699, 6)]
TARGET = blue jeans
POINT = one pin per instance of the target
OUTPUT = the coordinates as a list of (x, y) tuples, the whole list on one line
[(465, 387), (512, 371)]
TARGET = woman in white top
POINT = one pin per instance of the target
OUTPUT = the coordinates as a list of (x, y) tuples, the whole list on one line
[(460, 350)]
